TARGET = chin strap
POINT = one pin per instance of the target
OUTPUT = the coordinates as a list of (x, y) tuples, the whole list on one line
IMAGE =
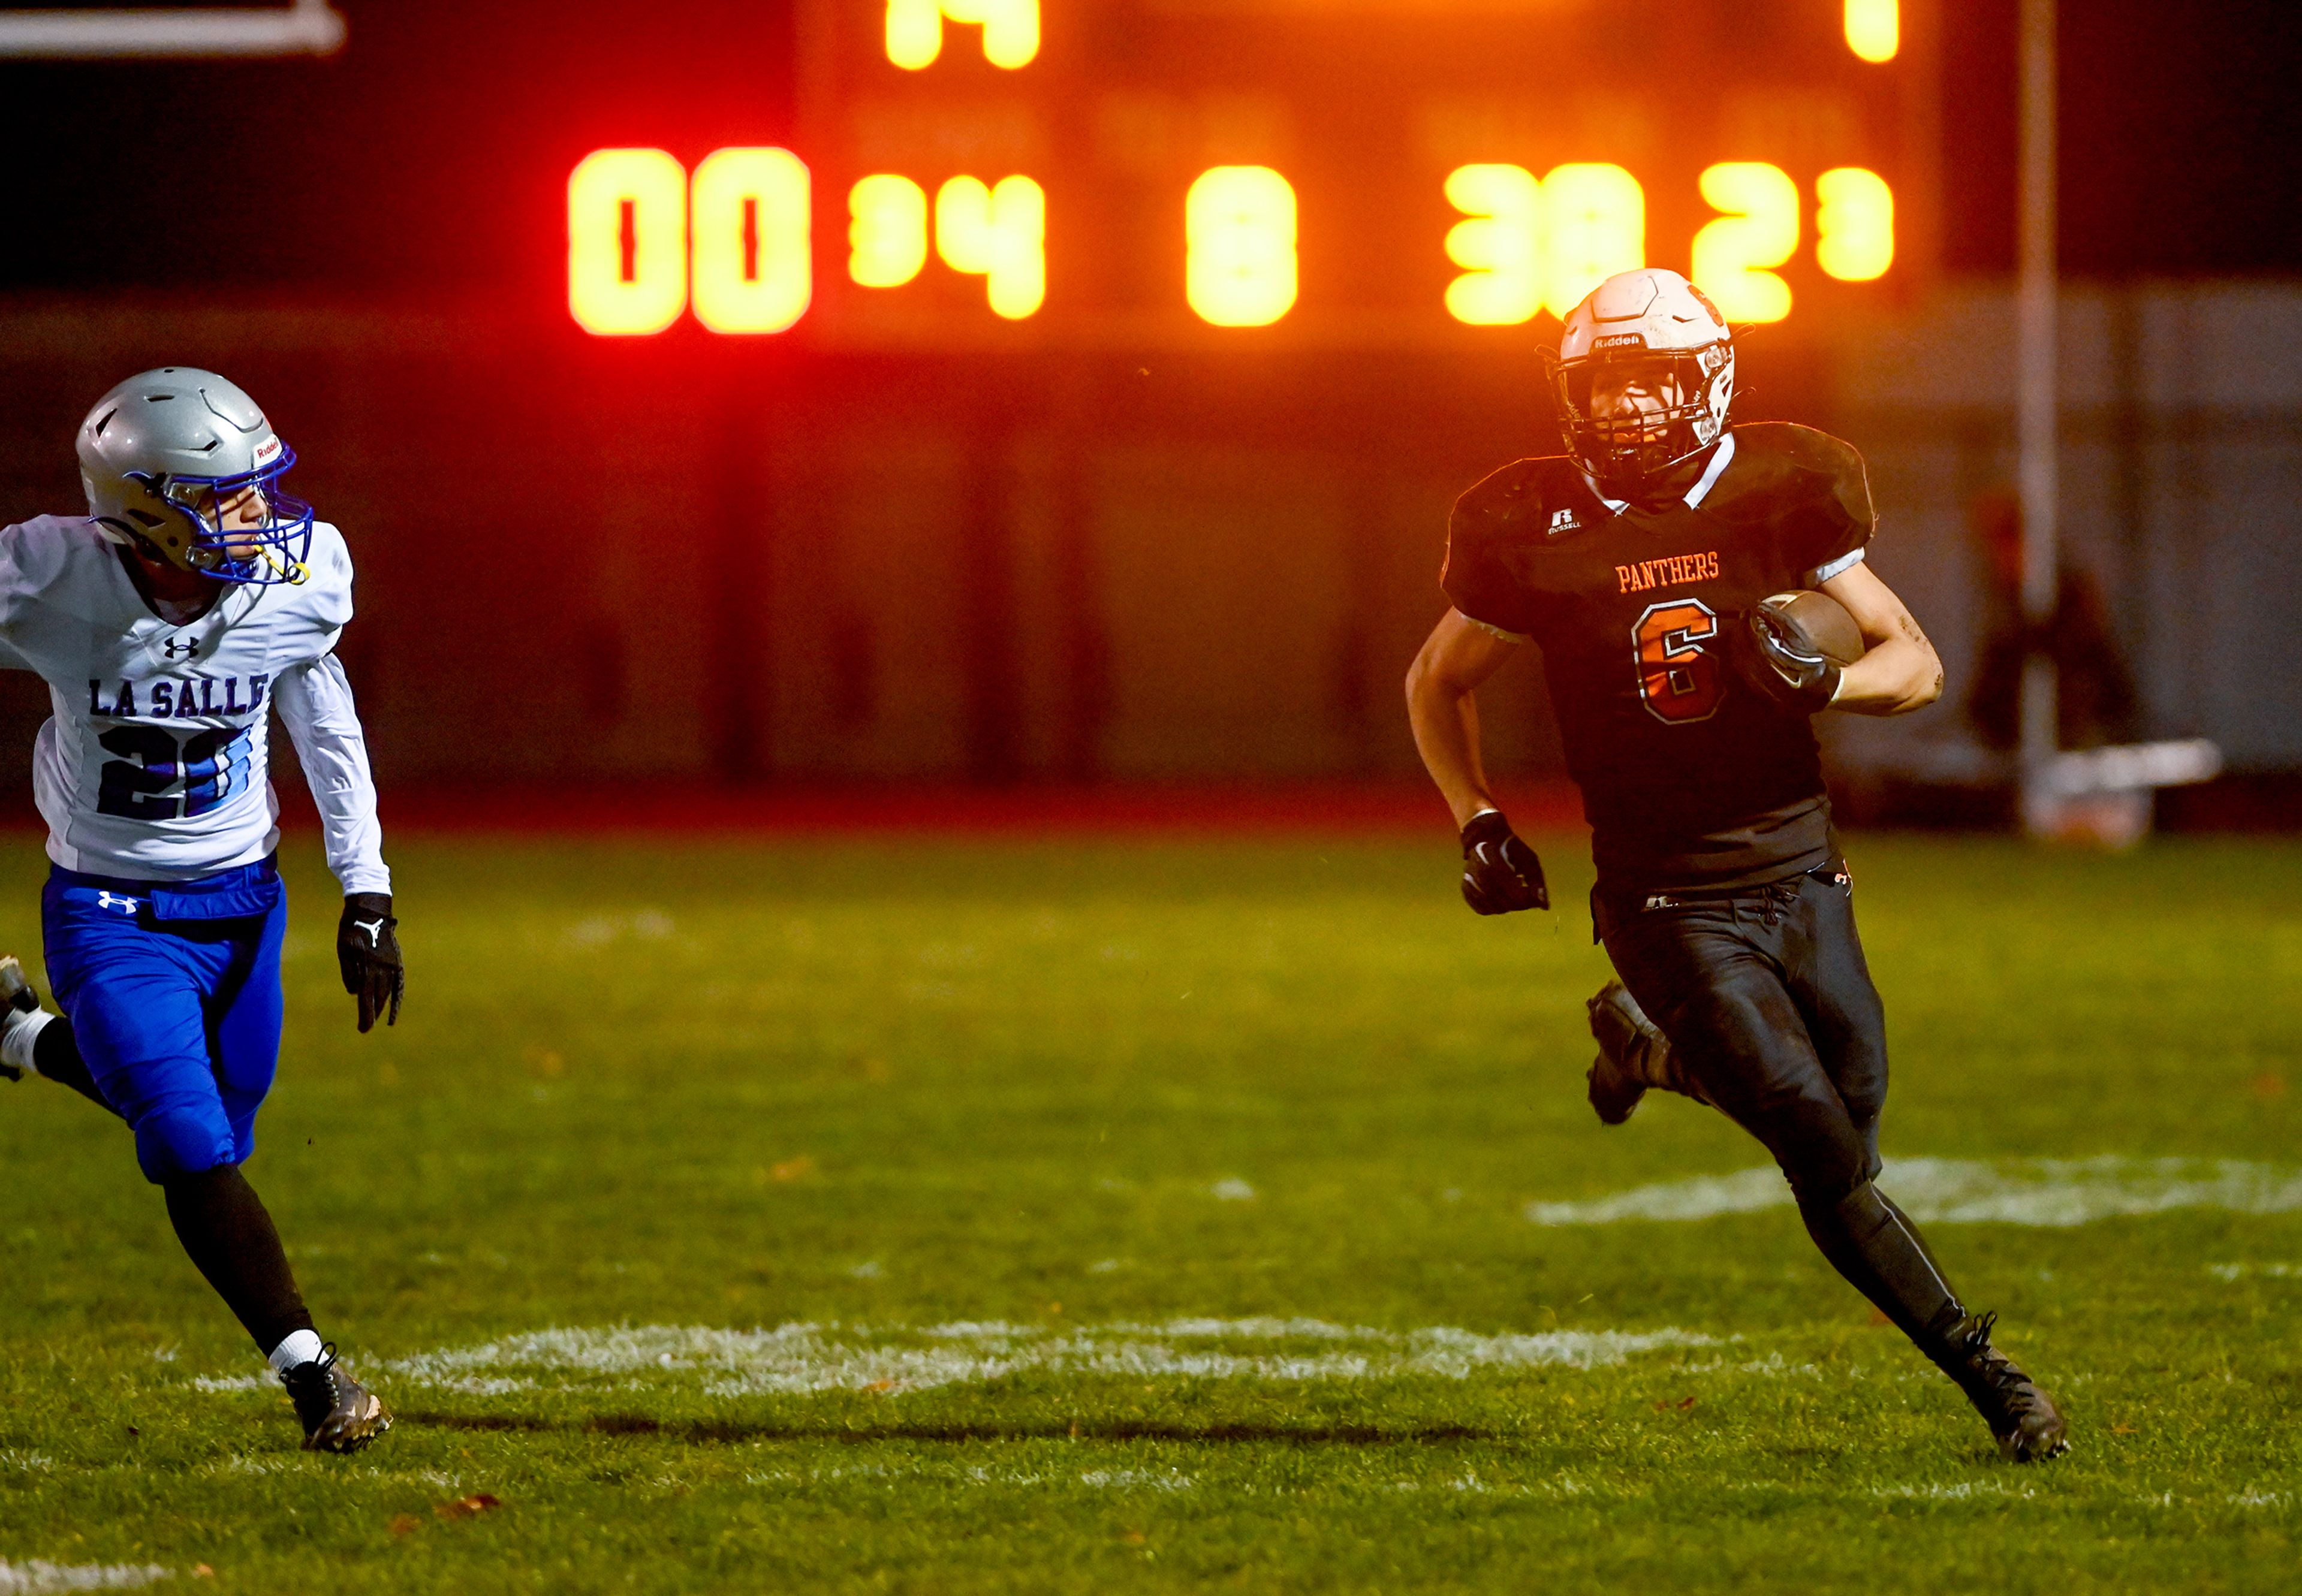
[(295, 573)]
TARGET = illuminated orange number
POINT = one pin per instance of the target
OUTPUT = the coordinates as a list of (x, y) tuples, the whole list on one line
[(626, 241), (1679, 680), (1011, 31), (1853, 224), (1760, 229), (1529, 244), (748, 211), (1238, 242), (1595, 221), (886, 231), (1499, 247), (1873, 28), (999, 233)]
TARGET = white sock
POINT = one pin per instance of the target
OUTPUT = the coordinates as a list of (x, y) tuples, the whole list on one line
[(16, 1041), (301, 1346)]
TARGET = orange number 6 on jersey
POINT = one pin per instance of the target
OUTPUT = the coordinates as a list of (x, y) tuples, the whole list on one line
[(1679, 681)]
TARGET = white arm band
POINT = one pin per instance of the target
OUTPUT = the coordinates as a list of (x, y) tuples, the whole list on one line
[(315, 702), (1836, 567)]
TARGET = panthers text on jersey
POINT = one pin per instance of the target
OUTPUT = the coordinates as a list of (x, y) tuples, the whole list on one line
[(154, 765), (1689, 779)]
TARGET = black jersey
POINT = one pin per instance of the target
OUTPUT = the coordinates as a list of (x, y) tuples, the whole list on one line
[(1689, 779)]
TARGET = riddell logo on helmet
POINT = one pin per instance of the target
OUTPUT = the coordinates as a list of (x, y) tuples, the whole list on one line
[(267, 448), (1614, 340)]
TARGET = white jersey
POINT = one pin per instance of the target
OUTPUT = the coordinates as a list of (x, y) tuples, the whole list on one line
[(155, 765)]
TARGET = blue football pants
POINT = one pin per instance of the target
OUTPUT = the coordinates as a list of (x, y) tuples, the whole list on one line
[(173, 993)]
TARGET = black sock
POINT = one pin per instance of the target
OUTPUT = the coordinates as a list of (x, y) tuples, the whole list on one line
[(1875, 1246), (231, 1241), (57, 1055)]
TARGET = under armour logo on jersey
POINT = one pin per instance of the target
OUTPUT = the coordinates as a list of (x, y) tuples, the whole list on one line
[(112, 900), (1563, 521), (189, 648)]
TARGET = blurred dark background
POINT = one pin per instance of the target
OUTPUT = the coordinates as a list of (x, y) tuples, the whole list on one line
[(799, 560), (429, 156)]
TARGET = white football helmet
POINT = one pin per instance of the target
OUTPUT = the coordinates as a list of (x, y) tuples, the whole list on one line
[(165, 451), (1654, 328)]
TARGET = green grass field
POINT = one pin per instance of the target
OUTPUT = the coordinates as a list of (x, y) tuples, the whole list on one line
[(1137, 1216)]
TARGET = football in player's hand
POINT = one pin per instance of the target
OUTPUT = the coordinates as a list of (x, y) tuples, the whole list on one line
[(1797, 643), (1811, 622)]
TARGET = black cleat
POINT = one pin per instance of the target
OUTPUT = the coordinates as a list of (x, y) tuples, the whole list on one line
[(1635, 1057), (2027, 1428), (338, 1413), (16, 997), (1621, 1027)]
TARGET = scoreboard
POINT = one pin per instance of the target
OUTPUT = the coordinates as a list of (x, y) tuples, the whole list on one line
[(1358, 173)]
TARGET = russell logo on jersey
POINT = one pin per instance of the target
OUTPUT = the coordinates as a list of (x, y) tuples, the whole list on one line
[(182, 700)]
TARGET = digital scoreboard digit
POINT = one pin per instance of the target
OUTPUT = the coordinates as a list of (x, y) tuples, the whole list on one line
[(974, 173)]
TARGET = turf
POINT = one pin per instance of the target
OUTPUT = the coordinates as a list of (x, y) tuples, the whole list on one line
[(1069, 1094)]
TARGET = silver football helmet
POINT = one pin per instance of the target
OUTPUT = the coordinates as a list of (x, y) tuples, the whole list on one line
[(1653, 328), (166, 457)]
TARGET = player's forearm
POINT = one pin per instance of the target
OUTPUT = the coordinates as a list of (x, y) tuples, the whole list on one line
[(1446, 722), (1894, 677), (315, 704)]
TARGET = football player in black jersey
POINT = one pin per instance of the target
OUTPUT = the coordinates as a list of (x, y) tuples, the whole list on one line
[(1633, 563)]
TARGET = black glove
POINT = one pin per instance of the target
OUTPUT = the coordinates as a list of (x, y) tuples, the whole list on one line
[(1773, 658), (1500, 873), (368, 952)]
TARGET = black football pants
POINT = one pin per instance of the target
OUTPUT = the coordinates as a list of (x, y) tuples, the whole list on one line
[(1767, 999)]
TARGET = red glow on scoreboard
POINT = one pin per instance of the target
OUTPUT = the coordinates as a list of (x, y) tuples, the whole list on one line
[(960, 166)]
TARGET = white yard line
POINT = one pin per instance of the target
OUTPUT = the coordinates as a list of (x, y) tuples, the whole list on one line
[(36, 1578), (1962, 1490), (2021, 1191), (234, 1383), (800, 1358)]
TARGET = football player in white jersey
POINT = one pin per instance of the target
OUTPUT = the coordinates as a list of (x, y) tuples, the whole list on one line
[(193, 601)]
